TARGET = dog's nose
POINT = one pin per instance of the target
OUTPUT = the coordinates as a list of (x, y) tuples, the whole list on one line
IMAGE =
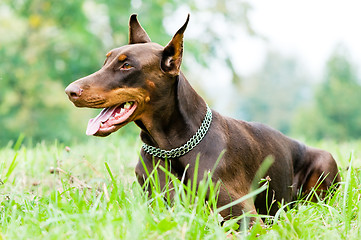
[(73, 91)]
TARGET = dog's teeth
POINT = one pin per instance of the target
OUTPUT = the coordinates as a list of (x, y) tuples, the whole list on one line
[(117, 115), (101, 124), (127, 105), (122, 110)]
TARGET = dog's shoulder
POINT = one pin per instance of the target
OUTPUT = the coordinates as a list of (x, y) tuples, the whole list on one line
[(258, 131), (246, 127)]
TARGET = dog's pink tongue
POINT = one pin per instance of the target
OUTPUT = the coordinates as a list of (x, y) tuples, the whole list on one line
[(94, 123)]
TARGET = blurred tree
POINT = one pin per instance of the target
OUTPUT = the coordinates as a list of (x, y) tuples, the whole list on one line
[(273, 94), (44, 45), (335, 112)]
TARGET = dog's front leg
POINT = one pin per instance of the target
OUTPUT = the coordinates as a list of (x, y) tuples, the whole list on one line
[(150, 175), (246, 207)]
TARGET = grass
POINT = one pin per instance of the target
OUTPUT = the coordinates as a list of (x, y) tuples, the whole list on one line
[(88, 191)]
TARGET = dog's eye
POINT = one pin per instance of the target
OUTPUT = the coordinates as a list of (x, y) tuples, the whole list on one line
[(125, 66)]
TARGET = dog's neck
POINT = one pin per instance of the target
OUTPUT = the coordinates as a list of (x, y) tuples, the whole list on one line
[(174, 122)]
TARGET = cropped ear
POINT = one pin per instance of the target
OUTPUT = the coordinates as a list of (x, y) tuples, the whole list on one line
[(172, 53), (136, 33)]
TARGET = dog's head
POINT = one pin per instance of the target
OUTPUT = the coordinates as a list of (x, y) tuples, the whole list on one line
[(133, 79)]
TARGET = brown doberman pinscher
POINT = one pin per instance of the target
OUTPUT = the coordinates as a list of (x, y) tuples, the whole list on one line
[(142, 83)]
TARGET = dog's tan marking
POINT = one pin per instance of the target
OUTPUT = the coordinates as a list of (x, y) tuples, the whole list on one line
[(150, 84), (122, 57), (122, 95), (109, 53)]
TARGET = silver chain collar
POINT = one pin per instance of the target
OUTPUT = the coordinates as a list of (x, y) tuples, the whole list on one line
[(188, 146)]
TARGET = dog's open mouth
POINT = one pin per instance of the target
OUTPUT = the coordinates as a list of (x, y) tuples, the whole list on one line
[(110, 118)]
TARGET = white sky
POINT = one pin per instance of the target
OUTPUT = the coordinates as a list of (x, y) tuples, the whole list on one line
[(308, 29)]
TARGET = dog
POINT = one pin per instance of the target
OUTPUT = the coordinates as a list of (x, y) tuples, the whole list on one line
[(141, 82)]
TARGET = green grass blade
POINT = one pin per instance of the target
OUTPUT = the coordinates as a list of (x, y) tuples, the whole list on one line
[(244, 198)]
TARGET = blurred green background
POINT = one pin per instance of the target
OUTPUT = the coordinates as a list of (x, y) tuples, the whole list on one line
[(45, 45)]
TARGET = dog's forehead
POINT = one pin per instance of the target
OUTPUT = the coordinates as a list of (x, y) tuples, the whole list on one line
[(139, 52)]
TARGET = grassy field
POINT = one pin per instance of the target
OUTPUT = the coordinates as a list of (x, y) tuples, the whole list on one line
[(88, 191)]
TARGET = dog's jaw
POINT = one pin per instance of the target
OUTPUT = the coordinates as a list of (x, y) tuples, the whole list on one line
[(111, 119)]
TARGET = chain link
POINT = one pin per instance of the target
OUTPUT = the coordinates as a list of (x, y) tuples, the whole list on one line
[(188, 146)]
